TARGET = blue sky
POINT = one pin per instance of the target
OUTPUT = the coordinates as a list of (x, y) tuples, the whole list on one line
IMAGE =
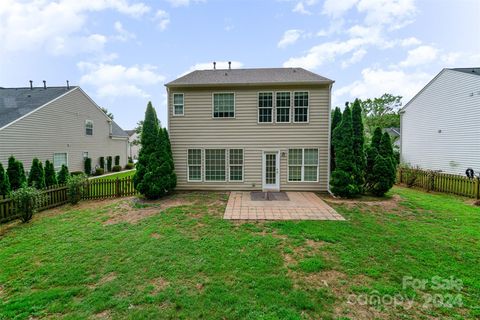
[(122, 52)]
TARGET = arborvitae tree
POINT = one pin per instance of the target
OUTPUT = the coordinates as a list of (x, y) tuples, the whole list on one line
[(87, 166), (386, 151), (381, 166), (36, 177), (336, 119), (343, 178), (50, 175), (358, 144), (117, 160), (4, 182), (372, 152), (63, 174), (16, 173), (169, 167), (154, 175), (102, 163), (382, 172), (109, 163)]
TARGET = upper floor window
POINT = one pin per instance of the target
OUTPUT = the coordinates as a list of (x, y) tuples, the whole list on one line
[(178, 104), (265, 107), (223, 105), (283, 106), (89, 127), (300, 106)]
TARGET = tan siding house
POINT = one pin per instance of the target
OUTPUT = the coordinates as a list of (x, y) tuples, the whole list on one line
[(250, 129), (60, 124)]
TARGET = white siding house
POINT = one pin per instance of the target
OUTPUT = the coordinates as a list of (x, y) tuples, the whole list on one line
[(440, 126)]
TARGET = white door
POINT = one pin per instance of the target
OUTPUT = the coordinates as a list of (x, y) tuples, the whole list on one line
[(271, 171)]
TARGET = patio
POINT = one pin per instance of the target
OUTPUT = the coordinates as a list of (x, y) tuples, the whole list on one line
[(283, 206)]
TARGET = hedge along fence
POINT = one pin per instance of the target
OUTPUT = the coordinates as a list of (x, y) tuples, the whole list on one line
[(440, 182), (57, 195)]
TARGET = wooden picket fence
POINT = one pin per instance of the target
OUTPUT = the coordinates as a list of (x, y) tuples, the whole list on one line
[(57, 195), (440, 182)]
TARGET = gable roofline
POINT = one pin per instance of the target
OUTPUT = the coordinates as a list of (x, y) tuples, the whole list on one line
[(38, 108), (421, 91)]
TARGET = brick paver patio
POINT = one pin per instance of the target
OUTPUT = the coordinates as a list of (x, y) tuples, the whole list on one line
[(301, 206)]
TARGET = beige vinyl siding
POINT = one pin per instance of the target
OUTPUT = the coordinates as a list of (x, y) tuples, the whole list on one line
[(59, 127), (450, 103), (198, 129)]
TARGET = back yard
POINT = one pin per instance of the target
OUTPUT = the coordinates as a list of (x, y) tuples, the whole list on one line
[(177, 258)]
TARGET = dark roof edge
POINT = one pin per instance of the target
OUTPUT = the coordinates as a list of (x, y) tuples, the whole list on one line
[(249, 84)]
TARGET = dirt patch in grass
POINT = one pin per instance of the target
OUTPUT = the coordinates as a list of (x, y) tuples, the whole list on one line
[(392, 204), (155, 235), (159, 284), (105, 279), (105, 314)]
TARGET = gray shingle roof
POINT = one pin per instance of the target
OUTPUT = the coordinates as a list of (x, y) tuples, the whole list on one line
[(17, 102), (259, 76), (117, 131), (474, 70)]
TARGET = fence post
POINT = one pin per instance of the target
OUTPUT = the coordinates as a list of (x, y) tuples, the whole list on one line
[(477, 191), (117, 187)]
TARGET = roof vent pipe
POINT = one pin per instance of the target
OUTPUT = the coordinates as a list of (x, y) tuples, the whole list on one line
[(44, 84), (229, 65), (31, 84), (68, 85), (214, 65)]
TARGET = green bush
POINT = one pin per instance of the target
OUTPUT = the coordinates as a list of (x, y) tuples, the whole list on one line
[(75, 185), (99, 171), (63, 174), (36, 177), (117, 160), (77, 173), (4, 182), (117, 168), (129, 166), (88, 166), (50, 175), (336, 119), (102, 163), (109, 163), (16, 173), (27, 200), (130, 160)]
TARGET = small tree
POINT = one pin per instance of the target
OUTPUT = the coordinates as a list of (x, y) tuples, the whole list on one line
[(4, 182), (169, 169), (358, 145), (343, 178), (102, 163), (36, 177), (27, 200), (336, 119), (109, 163), (63, 174), (117, 160), (75, 186), (88, 166), (50, 175), (382, 172), (16, 173)]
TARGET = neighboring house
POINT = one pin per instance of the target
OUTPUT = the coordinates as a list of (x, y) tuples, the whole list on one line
[(61, 124), (133, 144), (250, 129), (440, 126), (395, 136)]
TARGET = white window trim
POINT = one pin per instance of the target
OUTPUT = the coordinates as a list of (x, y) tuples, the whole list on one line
[(85, 128), (173, 104), (273, 107), (243, 165), (53, 160), (308, 108), (234, 105), (302, 177), (201, 166), (291, 106), (227, 165)]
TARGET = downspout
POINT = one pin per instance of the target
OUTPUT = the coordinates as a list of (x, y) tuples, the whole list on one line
[(329, 137)]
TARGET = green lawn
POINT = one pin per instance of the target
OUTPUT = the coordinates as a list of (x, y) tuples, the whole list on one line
[(120, 175), (135, 260)]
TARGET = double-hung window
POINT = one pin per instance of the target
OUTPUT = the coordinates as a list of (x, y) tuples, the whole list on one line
[(236, 164), (265, 107), (178, 104), (194, 164), (300, 106), (89, 127), (215, 165), (303, 165), (59, 159), (223, 105), (283, 106)]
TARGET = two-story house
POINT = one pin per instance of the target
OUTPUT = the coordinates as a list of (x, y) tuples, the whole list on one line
[(60, 124), (250, 129)]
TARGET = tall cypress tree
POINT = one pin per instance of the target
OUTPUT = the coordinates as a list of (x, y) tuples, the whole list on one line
[(16, 173), (4, 182), (336, 119), (50, 175), (343, 178), (373, 151), (386, 150), (170, 174), (36, 177), (63, 175), (358, 144)]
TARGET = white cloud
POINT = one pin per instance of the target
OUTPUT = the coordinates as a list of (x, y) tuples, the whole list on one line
[(163, 19), (336, 8), (408, 42), (37, 25), (301, 6), (376, 82), (420, 56), (115, 80), (122, 34), (356, 57), (394, 13), (289, 38), (209, 66), (183, 3)]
